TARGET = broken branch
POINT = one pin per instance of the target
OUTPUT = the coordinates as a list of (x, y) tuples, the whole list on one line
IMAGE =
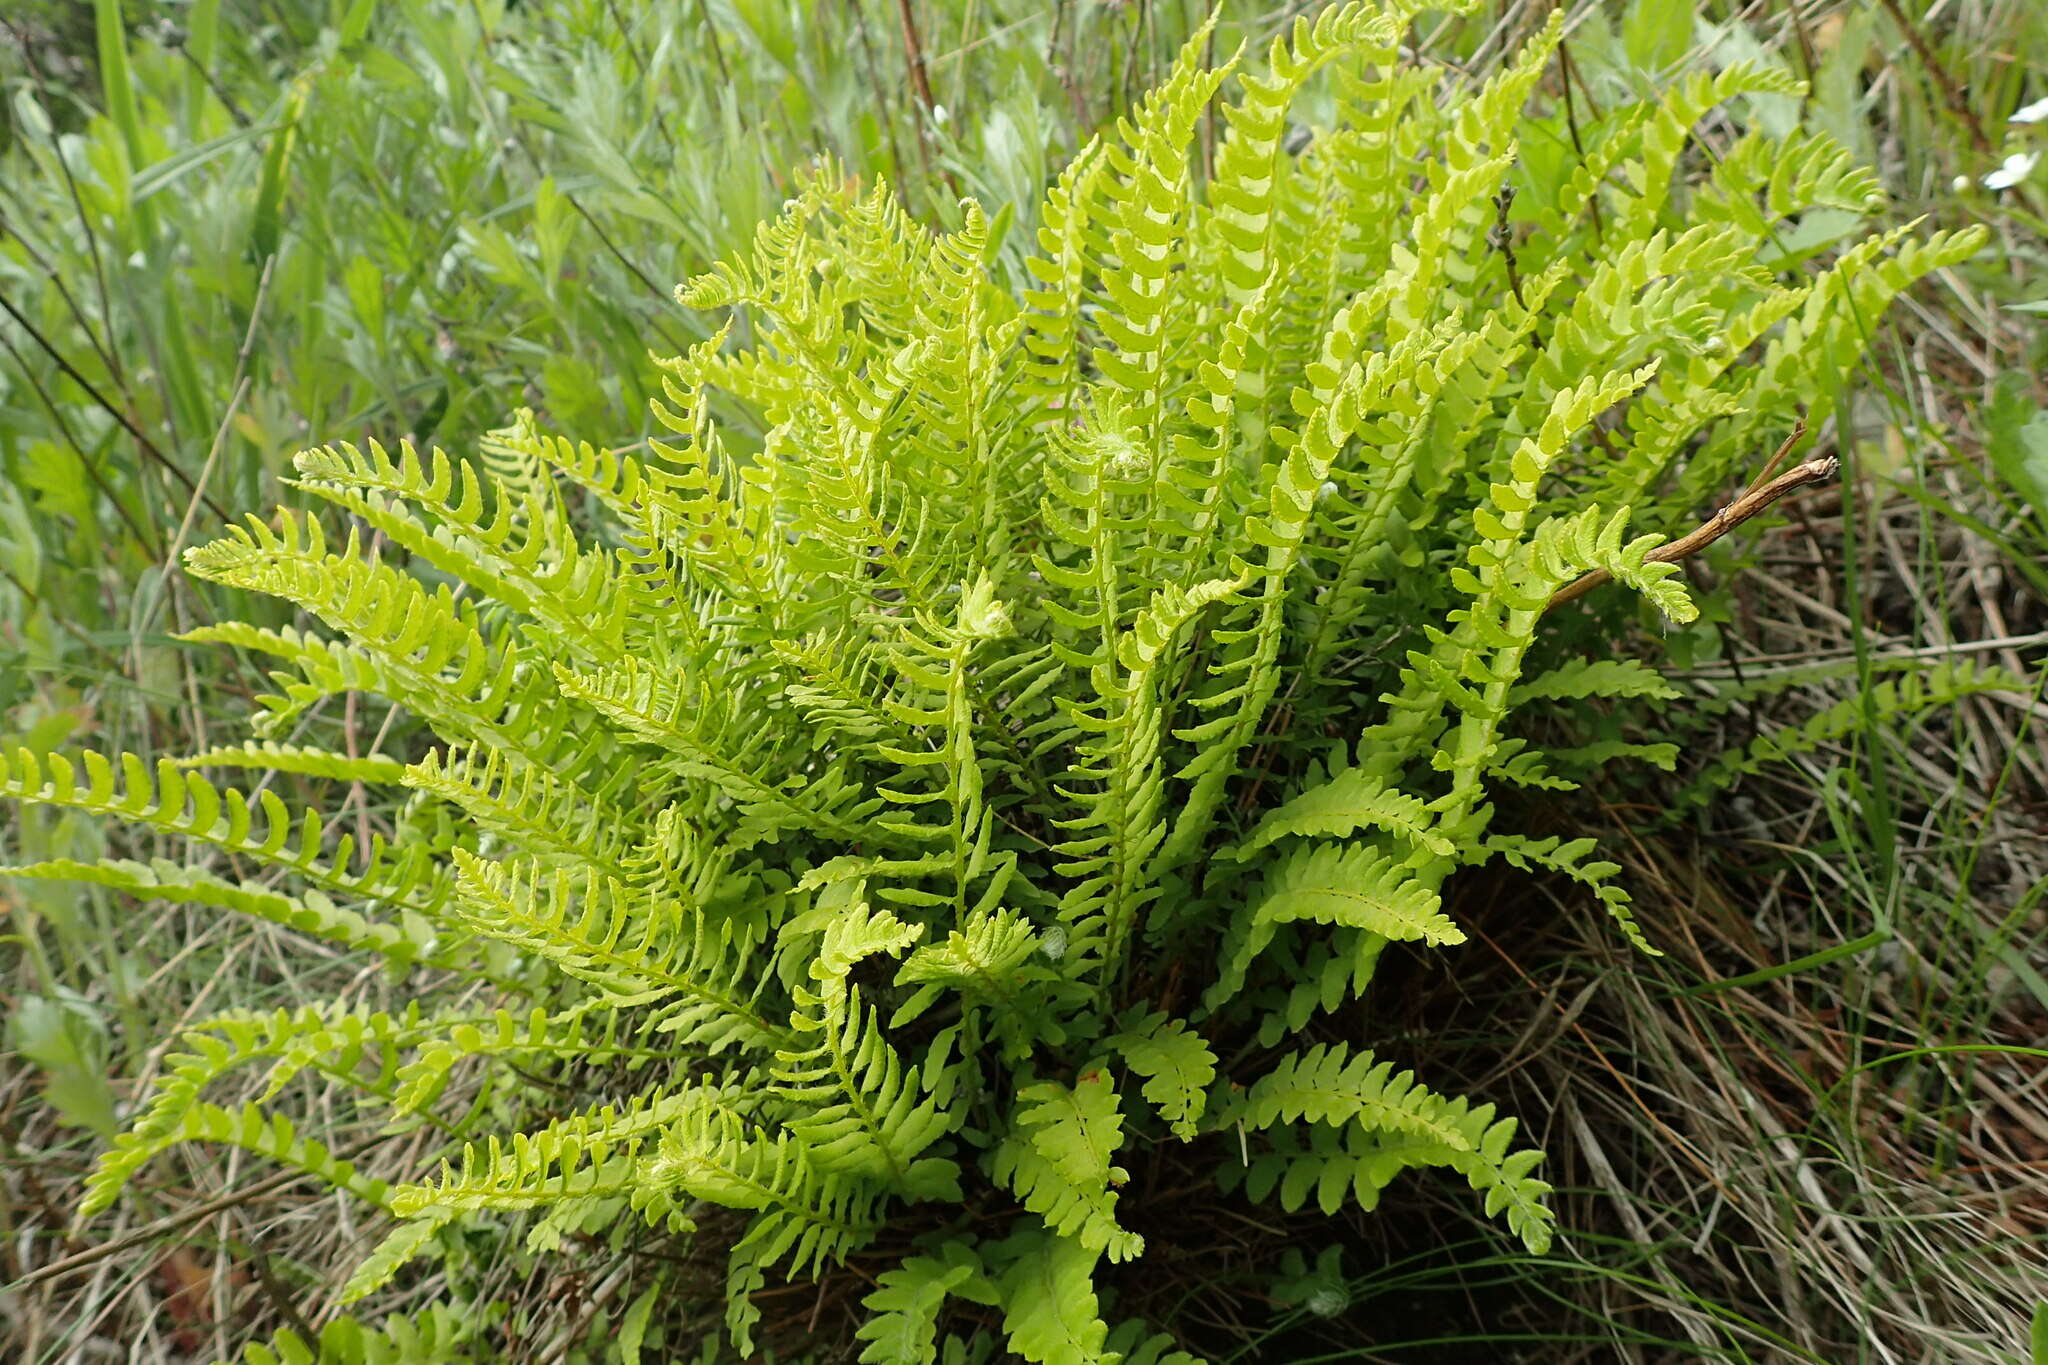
[(1753, 500)]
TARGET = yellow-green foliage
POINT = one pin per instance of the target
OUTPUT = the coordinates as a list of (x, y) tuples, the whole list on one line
[(1067, 691)]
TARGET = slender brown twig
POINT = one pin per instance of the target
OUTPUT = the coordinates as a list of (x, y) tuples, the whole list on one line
[(1951, 92), (920, 85), (913, 55), (1502, 239), (1568, 75), (105, 404), (1758, 496)]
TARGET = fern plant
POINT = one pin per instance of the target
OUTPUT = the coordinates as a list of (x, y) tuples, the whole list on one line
[(998, 736)]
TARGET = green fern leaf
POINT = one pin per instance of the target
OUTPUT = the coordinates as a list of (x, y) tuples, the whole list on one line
[(1050, 1312), (903, 1327), (1177, 1065), (1060, 1162)]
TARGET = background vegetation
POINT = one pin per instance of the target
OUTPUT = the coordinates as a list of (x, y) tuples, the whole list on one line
[(230, 228)]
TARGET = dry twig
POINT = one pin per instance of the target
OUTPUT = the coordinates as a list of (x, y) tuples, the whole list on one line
[(1758, 496)]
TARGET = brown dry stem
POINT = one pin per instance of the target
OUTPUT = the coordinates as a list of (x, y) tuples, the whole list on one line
[(1758, 496)]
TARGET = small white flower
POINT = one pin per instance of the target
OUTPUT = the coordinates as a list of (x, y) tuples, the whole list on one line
[(2017, 167), (939, 115), (1960, 183), (1053, 942), (2037, 112)]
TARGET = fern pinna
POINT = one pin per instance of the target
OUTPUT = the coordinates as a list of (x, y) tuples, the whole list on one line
[(1000, 730)]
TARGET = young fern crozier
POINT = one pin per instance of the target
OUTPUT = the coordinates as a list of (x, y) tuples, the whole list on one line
[(1020, 756)]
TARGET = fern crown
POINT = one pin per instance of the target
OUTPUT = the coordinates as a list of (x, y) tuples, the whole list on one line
[(998, 732)]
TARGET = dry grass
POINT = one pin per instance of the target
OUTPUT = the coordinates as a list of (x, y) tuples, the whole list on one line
[(1844, 1157), (1847, 1161)]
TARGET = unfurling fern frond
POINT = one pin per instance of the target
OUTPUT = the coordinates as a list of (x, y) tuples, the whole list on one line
[(858, 1108)]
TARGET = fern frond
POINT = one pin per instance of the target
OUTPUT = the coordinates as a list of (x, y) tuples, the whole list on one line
[(425, 647), (1247, 678), (1059, 1161), (904, 1308), (435, 1335), (711, 1152), (294, 758), (564, 1035), (1350, 800), (1052, 326), (1050, 1313), (1581, 678), (1330, 1084), (260, 827), (1330, 1164), (291, 1040), (635, 947), (858, 1108), (1251, 164), (1144, 204), (516, 549), (1568, 856), (655, 711), (1177, 1065), (563, 1166), (997, 964), (1670, 127), (399, 1248), (529, 808), (251, 1129), (1355, 887), (1122, 824), (403, 944), (1762, 180)]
